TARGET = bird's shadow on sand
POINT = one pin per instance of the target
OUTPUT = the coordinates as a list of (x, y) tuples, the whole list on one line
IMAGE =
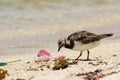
[(87, 60), (84, 59)]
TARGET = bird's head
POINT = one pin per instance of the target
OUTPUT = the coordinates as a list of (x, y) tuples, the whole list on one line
[(61, 43)]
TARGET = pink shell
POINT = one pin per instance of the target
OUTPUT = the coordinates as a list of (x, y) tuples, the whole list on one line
[(58, 57), (43, 53), (42, 58)]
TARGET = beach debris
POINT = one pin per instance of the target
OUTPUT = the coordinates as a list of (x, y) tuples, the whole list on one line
[(48, 66), (44, 59), (3, 73), (60, 64), (43, 55), (36, 67), (5, 63), (118, 64), (95, 75), (87, 73), (32, 69), (114, 55), (98, 63), (58, 57), (73, 62), (98, 73), (28, 62)]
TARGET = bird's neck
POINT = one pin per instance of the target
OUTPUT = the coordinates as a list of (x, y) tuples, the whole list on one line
[(69, 44)]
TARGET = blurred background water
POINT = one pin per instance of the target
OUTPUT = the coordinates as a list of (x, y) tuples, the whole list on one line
[(27, 25)]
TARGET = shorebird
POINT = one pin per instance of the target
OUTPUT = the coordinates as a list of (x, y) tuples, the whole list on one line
[(81, 41)]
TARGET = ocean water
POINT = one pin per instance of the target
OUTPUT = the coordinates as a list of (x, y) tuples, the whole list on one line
[(30, 25)]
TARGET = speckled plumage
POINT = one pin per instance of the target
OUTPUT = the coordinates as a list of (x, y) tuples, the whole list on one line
[(82, 40)]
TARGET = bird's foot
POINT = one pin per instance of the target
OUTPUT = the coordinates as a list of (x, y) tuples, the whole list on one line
[(88, 59)]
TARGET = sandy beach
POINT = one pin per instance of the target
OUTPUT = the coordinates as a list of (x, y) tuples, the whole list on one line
[(104, 58), (28, 26)]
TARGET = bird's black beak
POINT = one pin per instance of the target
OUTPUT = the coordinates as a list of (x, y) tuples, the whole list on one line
[(59, 48)]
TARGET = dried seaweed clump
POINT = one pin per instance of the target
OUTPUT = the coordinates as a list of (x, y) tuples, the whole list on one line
[(60, 64)]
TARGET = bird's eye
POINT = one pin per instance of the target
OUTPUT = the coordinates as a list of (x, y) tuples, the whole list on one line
[(60, 42)]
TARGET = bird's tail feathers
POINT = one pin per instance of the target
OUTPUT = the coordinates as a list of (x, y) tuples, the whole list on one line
[(105, 35)]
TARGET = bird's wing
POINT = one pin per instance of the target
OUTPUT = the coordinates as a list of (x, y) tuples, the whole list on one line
[(83, 36)]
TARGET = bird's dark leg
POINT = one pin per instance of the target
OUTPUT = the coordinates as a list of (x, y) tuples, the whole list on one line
[(79, 55), (88, 52)]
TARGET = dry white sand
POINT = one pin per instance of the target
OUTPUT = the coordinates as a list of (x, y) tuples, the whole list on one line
[(104, 57)]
